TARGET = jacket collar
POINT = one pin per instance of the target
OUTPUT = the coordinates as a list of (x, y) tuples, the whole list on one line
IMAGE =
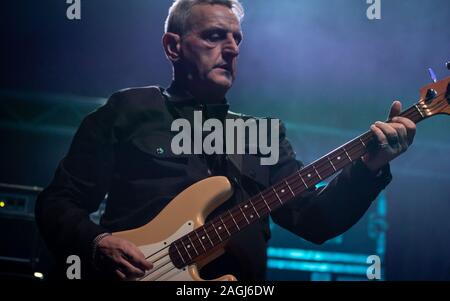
[(177, 96)]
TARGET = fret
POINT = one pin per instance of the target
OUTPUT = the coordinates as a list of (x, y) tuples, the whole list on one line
[(420, 111), (190, 257), (218, 235), (256, 211), (244, 214), (222, 229), (293, 194), (200, 239), (300, 175), (347, 154), (338, 159), (192, 244), (265, 201), (225, 226), (362, 142), (331, 163), (234, 220), (317, 172), (203, 238), (277, 196), (181, 256), (207, 235)]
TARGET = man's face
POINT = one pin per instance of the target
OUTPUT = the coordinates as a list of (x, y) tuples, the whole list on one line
[(210, 47)]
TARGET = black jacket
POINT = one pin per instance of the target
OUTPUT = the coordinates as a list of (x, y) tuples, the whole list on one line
[(124, 150)]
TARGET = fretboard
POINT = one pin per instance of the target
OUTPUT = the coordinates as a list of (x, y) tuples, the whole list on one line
[(201, 241)]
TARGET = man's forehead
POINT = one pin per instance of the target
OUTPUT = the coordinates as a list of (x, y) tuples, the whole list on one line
[(206, 16)]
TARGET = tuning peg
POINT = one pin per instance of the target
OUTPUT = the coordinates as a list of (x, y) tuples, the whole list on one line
[(432, 75), (447, 64), (431, 94)]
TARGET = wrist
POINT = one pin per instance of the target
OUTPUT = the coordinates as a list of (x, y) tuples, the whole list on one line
[(375, 171), (96, 242)]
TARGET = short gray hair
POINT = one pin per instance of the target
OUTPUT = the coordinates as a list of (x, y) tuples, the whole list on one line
[(180, 10)]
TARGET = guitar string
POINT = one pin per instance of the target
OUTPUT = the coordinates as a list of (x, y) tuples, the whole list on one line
[(168, 262)]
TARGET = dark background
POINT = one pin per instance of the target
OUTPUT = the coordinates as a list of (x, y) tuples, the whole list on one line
[(321, 66)]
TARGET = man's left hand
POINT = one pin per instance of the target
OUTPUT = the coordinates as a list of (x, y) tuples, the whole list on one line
[(393, 138)]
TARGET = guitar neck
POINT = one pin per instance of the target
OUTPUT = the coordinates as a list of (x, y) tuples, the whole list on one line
[(214, 233)]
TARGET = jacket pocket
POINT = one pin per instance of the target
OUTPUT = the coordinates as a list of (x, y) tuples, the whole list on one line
[(151, 156)]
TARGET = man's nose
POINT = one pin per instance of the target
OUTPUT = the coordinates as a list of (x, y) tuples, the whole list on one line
[(231, 48)]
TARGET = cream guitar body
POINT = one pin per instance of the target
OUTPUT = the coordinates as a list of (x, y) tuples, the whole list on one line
[(183, 214)]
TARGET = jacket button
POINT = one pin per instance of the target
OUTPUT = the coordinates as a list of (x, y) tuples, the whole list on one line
[(209, 172), (160, 151)]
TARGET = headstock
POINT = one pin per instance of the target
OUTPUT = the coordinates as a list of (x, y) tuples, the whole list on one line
[(435, 97)]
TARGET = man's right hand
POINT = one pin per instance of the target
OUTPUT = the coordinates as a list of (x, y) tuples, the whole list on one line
[(121, 257)]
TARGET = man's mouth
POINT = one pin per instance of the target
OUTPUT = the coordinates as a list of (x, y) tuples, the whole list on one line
[(225, 67)]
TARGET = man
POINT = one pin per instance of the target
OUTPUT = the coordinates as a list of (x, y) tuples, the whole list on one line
[(123, 150)]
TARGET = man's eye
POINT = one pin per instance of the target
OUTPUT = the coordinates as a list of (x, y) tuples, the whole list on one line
[(214, 37)]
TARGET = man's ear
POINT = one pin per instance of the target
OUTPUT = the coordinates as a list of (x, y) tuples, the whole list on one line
[(172, 46)]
